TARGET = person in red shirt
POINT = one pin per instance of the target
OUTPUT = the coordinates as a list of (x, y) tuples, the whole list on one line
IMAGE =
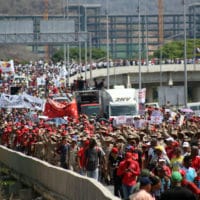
[(129, 170), (190, 185), (196, 163), (81, 156), (171, 144)]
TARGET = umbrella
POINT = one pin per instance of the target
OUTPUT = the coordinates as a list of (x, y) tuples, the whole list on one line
[(186, 110)]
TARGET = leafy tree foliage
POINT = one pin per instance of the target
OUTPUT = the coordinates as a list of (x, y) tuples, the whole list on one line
[(175, 49), (74, 54)]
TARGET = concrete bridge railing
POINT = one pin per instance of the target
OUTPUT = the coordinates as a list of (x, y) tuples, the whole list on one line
[(152, 69), (54, 183)]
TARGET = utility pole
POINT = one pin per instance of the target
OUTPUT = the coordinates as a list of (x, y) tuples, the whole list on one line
[(139, 46), (185, 57), (107, 47)]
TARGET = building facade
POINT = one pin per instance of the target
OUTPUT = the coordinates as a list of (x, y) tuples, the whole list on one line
[(125, 32)]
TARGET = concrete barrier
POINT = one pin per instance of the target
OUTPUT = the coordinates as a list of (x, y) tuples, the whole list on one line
[(54, 183)]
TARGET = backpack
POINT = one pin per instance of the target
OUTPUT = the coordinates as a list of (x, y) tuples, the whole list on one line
[(91, 156)]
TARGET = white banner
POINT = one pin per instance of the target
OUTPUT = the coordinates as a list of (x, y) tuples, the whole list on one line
[(156, 117), (32, 102), (7, 66), (11, 101), (21, 101), (120, 120), (142, 95)]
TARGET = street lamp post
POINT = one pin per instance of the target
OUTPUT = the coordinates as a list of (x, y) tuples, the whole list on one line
[(185, 56), (66, 59), (146, 30), (64, 51), (107, 47), (90, 55), (114, 57), (86, 43), (79, 42), (139, 46)]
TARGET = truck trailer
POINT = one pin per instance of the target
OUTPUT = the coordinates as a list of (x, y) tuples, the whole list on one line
[(88, 102), (119, 102)]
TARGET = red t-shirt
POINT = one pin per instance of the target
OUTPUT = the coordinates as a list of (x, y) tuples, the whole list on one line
[(81, 155), (196, 163), (129, 170)]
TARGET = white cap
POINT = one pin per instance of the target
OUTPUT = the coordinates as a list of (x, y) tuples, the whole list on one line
[(186, 144), (161, 160), (170, 139)]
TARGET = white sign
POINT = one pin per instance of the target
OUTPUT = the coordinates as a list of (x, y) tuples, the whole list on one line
[(142, 95), (120, 120), (21, 101), (156, 117), (7, 66)]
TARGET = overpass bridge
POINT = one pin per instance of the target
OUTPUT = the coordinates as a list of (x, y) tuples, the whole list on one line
[(51, 182), (152, 77)]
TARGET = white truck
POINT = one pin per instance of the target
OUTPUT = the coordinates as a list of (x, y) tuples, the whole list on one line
[(120, 102)]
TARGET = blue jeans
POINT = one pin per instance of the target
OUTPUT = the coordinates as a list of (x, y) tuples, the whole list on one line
[(127, 190), (93, 174)]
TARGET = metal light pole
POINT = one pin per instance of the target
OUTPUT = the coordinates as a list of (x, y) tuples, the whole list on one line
[(65, 51), (139, 46), (185, 57), (90, 56), (107, 47), (114, 57), (86, 43), (194, 39), (146, 30), (66, 59), (79, 42)]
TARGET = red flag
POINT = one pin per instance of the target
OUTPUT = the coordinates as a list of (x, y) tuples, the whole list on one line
[(72, 110), (55, 109)]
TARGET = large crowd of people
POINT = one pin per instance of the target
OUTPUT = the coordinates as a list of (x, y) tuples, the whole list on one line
[(143, 162)]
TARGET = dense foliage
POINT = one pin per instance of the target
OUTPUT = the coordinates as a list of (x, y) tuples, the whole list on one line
[(175, 49), (74, 54)]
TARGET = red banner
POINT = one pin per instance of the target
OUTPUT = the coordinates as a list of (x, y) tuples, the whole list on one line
[(55, 109)]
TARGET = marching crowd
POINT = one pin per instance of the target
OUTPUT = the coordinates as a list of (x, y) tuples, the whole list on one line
[(152, 161)]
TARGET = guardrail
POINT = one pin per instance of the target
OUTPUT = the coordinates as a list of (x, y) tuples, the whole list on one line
[(53, 183), (102, 72)]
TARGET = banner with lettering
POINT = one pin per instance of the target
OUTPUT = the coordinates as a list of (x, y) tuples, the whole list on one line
[(21, 101), (120, 120), (11, 101), (32, 102)]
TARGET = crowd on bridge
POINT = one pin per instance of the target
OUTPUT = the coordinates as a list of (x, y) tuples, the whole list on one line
[(147, 161)]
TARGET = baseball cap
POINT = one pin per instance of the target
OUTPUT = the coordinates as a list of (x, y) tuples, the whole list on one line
[(159, 147), (114, 150), (145, 181), (186, 144), (176, 176), (170, 139)]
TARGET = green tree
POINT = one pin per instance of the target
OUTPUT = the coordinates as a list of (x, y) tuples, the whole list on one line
[(175, 49), (74, 54)]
